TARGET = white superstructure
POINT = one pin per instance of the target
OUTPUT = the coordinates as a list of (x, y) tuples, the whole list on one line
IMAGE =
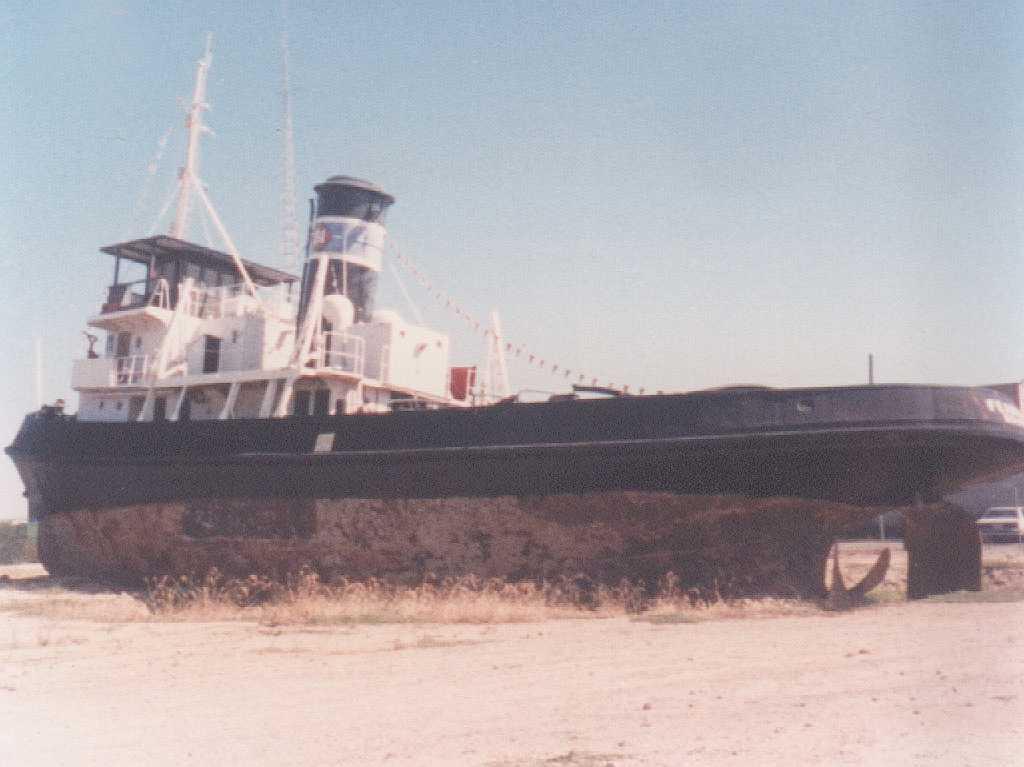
[(203, 334)]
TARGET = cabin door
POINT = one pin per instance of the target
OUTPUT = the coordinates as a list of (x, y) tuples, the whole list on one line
[(211, 354), (124, 345), (321, 401)]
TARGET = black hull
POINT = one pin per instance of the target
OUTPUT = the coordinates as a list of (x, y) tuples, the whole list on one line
[(881, 445)]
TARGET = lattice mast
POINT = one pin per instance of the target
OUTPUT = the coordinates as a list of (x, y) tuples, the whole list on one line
[(289, 248)]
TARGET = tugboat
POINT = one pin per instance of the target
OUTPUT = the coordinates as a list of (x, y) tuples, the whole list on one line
[(244, 418)]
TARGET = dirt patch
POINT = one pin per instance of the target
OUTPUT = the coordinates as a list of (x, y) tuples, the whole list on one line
[(923, 683)]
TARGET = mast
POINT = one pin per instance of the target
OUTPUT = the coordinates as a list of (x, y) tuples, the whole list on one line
[(289, 248), (187, 174), (496, 369)]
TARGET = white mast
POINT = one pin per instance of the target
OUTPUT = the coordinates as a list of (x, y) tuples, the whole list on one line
[(187, 175), (496, 384)]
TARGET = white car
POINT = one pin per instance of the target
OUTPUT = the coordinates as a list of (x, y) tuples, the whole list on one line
[(1002, 523)]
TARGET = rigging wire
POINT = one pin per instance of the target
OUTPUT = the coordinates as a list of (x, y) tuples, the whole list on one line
[(408, 299), (163, 209), (520, 351), (151, 168), (204, 219)]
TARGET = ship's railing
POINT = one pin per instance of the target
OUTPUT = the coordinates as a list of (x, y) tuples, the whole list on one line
[(344, 352), (130, 370), (215, 302), (137, 294), (202, 301)]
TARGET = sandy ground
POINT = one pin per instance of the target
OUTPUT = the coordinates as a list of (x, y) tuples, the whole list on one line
[(929, 683)]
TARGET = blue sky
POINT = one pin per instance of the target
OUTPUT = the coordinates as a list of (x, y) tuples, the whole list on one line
[(671, 195)]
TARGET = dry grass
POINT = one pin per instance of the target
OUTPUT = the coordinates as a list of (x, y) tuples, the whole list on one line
[(303, 600)]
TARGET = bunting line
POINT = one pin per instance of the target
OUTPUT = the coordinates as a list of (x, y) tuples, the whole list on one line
[(520, 351)]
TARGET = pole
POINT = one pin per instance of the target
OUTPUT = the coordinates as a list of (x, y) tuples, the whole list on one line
[(497, 362), (289, 226), (39, 371), (194, 123), (871, 368)]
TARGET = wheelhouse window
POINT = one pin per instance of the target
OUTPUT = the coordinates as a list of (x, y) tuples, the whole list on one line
[(351, 203)]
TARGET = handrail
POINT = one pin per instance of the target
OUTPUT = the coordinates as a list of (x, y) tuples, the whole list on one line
[(206, 301), (121, 295)]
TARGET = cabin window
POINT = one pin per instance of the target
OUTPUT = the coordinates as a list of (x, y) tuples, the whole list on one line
[(300, 403), (110, 344), (211, 354), (160, 409), (138, 343), (350, 202)]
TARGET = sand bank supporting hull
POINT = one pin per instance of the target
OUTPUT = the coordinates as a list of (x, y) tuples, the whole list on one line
[(714, 545)]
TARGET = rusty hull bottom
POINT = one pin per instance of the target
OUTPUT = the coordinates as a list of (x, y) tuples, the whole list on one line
[(718, 545)]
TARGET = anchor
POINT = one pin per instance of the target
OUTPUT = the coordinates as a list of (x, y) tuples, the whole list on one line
[(841, 598)]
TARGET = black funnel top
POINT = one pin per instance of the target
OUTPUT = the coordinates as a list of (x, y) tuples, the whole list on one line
[(352, 198)]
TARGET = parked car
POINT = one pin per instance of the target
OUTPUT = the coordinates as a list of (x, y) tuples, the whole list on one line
[(1002, 523)]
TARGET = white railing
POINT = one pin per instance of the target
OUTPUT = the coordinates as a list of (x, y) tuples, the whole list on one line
[(343, 352), (130, 370), (230, 300), (137, 294)]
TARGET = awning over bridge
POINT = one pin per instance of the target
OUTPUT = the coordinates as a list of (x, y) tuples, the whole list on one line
[(161, 248)]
